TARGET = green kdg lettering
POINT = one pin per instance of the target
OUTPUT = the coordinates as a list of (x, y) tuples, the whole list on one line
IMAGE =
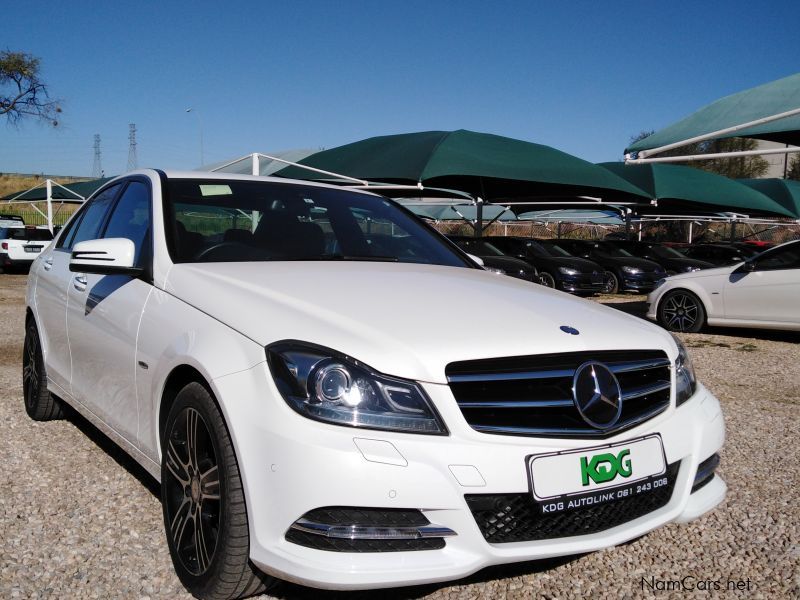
[(605, 467)]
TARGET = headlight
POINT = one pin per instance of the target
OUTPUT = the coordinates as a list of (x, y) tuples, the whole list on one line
[(568, 271), (691, 269), (328, 386), (494, 270), (631, 270), (685, 381)]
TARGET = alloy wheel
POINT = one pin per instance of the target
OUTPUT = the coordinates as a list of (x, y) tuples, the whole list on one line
[(680, 312), (547, 280), (30, 369), (193, 501)]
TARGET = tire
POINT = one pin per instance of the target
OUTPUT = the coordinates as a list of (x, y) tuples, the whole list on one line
[(40, 404), (205, 517), (547, 280), (610, 283), (681, 310)]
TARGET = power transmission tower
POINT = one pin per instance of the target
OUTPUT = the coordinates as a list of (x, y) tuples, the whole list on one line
[(97, 169), (133, 162)]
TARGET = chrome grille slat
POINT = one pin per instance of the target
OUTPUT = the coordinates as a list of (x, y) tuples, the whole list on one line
[(645, 390), (516, 404), (532, 395)]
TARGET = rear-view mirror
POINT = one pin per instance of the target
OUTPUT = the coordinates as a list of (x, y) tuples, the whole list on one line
[(111, 256)]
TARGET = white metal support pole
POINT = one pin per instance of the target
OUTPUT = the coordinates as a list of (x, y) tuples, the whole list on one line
[(691, 224), (256, 165), (50, 205)]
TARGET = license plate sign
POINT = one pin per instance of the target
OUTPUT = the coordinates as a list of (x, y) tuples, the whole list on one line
[(33, 249), (597, 469)]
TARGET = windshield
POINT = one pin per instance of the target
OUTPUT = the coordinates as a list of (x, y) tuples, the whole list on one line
[(552, 249), (666, 252), (231, 221), (610, 249), (478, 247)]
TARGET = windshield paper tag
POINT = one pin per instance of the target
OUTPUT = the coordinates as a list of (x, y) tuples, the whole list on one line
[(215, 190)]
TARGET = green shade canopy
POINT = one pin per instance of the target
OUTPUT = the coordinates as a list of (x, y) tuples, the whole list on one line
[(481, 164), (83, 189), (571, 215), (785, 192), (756, 103), (678, 188), (446, 212)]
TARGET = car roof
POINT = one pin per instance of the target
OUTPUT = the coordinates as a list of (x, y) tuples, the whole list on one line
[(215, 175)]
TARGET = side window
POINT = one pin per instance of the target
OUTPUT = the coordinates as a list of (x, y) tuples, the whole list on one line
[(131, 218), (783, 258), (88, 228)]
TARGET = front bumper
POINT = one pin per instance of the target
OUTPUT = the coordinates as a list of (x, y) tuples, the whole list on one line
[(641, 282), (291, 465), (582, 283)]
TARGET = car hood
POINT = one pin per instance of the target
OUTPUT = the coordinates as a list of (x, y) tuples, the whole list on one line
[(726, 270), (406, 320), (583, 265), (676, 262), (507, 263), (621, 261)]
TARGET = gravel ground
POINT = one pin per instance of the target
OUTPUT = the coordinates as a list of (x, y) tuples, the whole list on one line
[(80, 519)]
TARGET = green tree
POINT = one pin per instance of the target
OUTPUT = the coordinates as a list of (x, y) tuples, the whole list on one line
[(737, 167), (22, 92)]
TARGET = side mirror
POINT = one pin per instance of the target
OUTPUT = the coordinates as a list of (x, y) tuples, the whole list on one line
[(476, 259), (746, 267), (112, 256)]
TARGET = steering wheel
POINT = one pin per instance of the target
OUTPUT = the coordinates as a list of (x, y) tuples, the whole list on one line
[(236, 250)]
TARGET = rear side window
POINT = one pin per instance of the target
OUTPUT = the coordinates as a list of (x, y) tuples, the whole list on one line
[(87, 225), (781, 258)]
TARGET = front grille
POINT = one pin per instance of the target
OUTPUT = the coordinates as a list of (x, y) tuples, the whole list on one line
[(509, 518), (532, 395)]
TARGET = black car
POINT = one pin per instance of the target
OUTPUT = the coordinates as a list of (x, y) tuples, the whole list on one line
[(557, 269), (623, 272), (719, 255), (492, 257), (670, 259)]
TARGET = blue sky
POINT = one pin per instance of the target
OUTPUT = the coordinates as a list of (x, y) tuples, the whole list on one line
[(266, 76)]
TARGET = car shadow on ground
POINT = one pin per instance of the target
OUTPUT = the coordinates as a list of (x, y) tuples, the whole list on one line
[(114, 451), (291, 591)]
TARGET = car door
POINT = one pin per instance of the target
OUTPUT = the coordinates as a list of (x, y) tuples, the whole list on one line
[(769, 292), (103, 319), (53, 279)]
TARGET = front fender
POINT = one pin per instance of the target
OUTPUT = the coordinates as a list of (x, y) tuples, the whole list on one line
[(173, 333)]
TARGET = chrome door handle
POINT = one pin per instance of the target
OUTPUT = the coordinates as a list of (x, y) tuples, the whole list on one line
[(48, 263), (79, 283)]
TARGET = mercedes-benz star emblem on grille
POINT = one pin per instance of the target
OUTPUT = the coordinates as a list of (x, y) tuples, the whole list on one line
[(597, 395), (569, 330)]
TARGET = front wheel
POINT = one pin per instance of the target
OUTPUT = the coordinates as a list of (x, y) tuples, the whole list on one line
[(610, 283), (681, 310), (205, 517), (547, 280), (40, 404)]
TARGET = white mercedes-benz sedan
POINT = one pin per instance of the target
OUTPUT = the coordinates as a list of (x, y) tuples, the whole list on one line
[(305, 370), (763, 292)]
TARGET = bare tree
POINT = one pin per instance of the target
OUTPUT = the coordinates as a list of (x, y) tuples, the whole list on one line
[(22, 93)]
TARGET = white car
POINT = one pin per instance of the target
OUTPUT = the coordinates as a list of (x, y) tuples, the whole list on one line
[(763, 292), (20, 245), (297, 365)]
